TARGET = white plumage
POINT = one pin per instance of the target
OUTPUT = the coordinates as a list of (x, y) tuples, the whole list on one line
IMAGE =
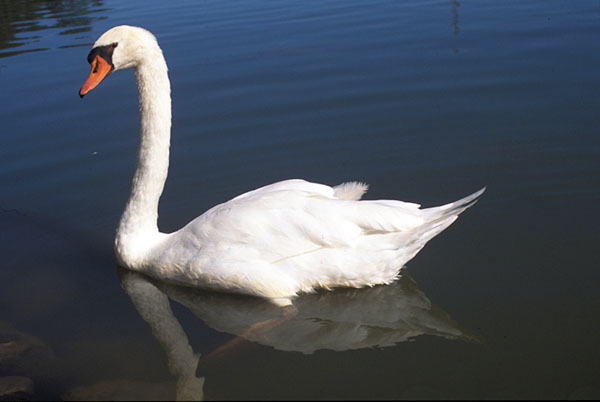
[(275, 242)]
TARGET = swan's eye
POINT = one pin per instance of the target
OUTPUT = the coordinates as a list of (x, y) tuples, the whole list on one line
[(114, 45)]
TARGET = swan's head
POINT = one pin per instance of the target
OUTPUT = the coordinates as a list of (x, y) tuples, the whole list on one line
[(118, 48)]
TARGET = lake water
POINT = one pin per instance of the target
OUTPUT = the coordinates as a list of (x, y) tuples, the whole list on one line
[(427, 101)]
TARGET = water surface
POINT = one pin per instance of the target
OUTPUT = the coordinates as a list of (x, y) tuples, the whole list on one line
[(426, 101)]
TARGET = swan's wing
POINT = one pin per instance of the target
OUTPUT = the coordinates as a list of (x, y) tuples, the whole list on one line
[(346, 191), (296, 216), (294, 236), (315, 189)]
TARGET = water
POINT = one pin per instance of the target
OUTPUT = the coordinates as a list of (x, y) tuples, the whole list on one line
[(426, 101)]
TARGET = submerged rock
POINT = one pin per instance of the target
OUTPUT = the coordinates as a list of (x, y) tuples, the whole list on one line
[(122, 390), (24, 360), (16, 388), (22, 354)]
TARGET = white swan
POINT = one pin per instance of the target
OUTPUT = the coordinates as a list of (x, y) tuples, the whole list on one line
[(275, 242)]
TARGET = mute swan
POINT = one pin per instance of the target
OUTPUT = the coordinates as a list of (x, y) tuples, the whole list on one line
[(274, 242)]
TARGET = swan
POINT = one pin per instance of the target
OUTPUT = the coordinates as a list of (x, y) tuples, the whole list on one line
[(274, 242)]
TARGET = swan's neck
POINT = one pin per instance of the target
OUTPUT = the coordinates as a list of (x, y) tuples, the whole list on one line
[(138, 226)]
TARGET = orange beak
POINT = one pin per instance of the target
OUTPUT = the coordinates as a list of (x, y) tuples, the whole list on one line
[(100, 69)]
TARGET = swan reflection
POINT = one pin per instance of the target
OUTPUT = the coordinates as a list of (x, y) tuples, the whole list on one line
[(343, 319)]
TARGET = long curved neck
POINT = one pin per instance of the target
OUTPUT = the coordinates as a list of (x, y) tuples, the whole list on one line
[(139, 220)]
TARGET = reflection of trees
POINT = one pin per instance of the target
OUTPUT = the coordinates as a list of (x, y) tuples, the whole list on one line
[(20, 19), (454, 24)]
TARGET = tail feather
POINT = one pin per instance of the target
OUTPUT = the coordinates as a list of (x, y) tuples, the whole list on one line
[(353, 190), (437, 219), (451, 209)]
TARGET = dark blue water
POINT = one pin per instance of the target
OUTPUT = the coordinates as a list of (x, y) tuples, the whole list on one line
[(426, 101)]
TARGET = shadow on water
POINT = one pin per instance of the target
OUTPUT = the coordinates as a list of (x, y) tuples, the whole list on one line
[(20, 22), (340, 320)]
